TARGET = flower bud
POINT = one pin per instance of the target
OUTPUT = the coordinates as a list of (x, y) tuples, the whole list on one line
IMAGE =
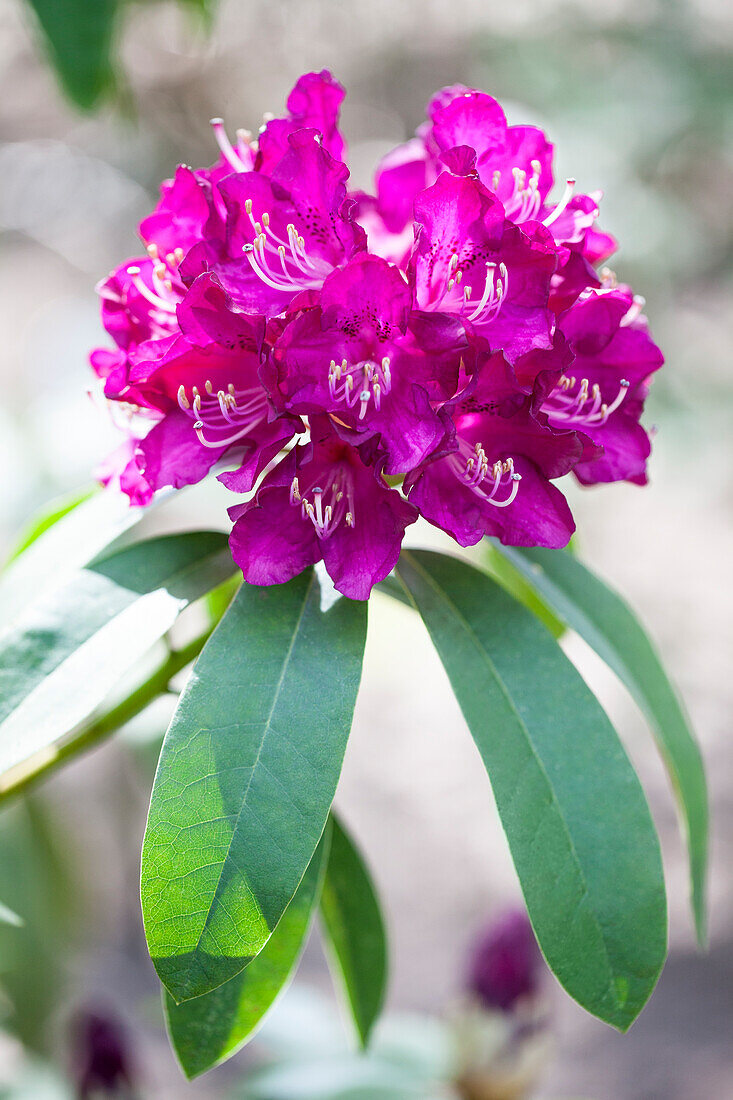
[(504, 966), (101, 1058)]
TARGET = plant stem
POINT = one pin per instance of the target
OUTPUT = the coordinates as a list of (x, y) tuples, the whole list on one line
[(98, 728)]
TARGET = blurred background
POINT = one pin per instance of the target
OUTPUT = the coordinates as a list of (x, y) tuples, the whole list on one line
[(638, 97)]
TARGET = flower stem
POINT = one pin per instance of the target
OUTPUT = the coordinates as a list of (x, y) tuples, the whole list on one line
[(100, 726)]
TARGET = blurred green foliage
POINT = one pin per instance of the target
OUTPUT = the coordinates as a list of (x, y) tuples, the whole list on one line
[(37, 885), (80, 37)]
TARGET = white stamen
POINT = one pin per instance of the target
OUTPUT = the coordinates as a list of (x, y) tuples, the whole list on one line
[(218, 411), (473, 469), (560, 208), (568, 407), (329, 504), (229, 152), (363, 382), (154, 299)]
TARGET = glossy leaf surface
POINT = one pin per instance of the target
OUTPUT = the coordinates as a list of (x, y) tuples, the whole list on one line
[(209, 1029), (67, 651), (246, 778), (66, 543)]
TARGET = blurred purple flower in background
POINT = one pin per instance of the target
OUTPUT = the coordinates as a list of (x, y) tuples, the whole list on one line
[(501, 1032), (505, 963), (101, 1056)]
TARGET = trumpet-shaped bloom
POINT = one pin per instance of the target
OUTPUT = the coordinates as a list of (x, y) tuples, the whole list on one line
[(468, 128), (470, 261), (495, 477), (322, 503), (366, 357), (282, 233), (603, 390)]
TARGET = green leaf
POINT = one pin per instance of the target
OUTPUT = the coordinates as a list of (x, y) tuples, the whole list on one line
[(69, 650), (209, 1029), (514, 582), (78, 36), (54, 555), (246, 778), (47, 516), (576, 819), (354, 932), (391, 586), (609, 626)]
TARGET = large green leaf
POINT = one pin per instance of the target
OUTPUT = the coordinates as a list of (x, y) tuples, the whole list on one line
[(70, 540), (609, 626), (514, 582), (354, 931), (209, 1029), (66, 652), (246, 778), (47, 516), (78, 36), (576, 819)]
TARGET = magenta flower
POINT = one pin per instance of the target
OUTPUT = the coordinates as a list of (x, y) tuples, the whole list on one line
[(202, 391), (451, 330), (495, 476), (321, 503), (282, 234), (513, 162), (139, 299), (469, 260), (366, 357), (505, 962), (314, 103), (602, 393)]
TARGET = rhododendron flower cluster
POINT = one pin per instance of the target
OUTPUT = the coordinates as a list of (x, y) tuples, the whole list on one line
[(448, 347)]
